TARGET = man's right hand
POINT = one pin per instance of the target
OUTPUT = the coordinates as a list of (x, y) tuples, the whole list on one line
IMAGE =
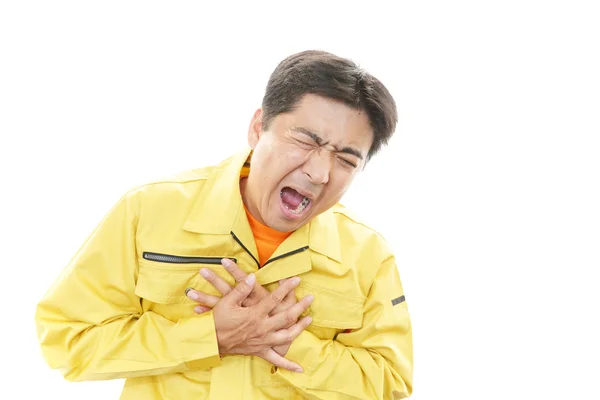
[(258, 292), (251, 330)]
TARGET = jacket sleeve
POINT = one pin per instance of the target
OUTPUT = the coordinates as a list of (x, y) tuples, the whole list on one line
[(91, 325), (373, 362)]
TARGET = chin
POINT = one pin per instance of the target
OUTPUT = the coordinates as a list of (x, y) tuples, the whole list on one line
[(284, 225)]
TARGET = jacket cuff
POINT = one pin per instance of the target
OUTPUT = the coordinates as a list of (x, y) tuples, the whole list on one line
[(197, 336)]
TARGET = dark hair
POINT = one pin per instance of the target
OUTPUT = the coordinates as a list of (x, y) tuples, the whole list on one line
[(327, 75)]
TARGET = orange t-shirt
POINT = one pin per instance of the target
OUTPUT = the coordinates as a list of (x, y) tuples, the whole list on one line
[(267, 239)]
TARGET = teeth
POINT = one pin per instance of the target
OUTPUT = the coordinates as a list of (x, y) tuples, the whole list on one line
[(305, 202)]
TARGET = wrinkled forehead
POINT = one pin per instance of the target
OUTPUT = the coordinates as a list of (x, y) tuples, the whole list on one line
[(328, 121)]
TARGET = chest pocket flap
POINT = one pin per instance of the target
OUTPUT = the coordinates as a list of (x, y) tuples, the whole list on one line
[(166, 283), (331, 309)]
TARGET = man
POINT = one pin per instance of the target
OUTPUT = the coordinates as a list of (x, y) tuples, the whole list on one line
[(247, 280)]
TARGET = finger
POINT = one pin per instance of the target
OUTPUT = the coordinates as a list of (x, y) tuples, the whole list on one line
[(287, 336), (291, 315), (218, 282), (288, 301), (290, 298), (201, 309), (281, 362), (234, 270), (270, 302), (258, 293), (203, 298), (290, 295), (241, 290)]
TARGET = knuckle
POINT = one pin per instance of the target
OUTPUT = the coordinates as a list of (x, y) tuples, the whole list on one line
[(276, 297), (226, 291), (241, 287)]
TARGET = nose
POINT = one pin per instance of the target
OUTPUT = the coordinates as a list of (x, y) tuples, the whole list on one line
[(318, 167)]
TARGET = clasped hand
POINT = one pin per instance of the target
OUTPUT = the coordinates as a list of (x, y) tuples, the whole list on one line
[(251, 320)]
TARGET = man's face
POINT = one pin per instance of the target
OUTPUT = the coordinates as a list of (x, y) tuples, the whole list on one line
[(304, 163)]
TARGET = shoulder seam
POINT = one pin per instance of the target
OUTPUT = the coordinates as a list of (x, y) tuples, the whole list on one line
[(202, 178), (165, 181)]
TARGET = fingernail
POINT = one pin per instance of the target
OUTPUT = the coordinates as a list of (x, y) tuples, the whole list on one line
[(310, 298), (226, 262), (198, 309), (193, 295), (295, 280), (299, 370), (204, 272), (309, 319), (250, 279)]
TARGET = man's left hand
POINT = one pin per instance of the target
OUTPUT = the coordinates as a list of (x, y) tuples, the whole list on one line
[(207, 302)]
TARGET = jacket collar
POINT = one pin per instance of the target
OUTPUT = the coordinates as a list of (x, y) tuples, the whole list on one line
[(218, 210)]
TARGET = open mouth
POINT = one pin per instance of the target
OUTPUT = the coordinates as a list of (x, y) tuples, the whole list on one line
[(293, 201)]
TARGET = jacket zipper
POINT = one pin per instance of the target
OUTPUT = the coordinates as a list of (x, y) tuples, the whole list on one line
[(245, 248), (168, 258), (300, 250)]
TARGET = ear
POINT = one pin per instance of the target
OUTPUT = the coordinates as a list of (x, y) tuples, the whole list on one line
[(255, 129)]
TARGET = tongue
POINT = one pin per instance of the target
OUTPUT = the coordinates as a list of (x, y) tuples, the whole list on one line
[(291, 197)]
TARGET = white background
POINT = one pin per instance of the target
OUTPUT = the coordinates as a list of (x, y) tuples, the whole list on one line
[(489, 192)]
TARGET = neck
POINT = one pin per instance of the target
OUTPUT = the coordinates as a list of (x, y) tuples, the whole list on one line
[(247, 200)]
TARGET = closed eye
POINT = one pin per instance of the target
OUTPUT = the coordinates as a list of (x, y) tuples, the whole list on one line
[(304, 143), (347, 162)]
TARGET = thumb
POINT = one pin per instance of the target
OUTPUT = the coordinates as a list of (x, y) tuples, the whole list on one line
[(243, 289)]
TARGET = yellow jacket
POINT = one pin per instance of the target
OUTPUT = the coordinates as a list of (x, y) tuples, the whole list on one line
[(119, 309)]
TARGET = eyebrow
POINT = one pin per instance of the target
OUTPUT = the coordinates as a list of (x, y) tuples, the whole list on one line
[(319, 140)]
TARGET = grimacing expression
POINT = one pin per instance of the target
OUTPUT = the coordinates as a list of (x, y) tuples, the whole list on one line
[(304, 162)]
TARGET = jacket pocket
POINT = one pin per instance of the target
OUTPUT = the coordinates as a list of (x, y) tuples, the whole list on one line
[(331, 312), (162, 284)]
